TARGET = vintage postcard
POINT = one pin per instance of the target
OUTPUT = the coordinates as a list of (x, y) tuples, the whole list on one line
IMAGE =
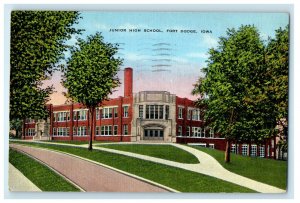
[(164, 102)]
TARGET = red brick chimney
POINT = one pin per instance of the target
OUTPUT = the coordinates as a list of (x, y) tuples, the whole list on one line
[(127, 82)]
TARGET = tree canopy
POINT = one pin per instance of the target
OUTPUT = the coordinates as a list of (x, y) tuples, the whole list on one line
[(238, 90), (37, 44), (91, 73)]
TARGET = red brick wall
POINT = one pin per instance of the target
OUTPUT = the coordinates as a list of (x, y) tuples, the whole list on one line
[(128, 82)]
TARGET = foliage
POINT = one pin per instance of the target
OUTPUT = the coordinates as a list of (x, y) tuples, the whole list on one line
[(90, 75), (237, 90), (37, 44), (43, 177), (16, 124)]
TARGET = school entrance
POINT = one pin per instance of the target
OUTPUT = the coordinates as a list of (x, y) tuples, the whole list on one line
[(153, 134)]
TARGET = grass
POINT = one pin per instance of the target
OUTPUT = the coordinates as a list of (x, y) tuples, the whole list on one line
[(272, 172), (75, 142), (43, 177), (167, 152), (178, 179)]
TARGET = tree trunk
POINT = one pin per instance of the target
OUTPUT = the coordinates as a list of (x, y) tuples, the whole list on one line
[(92, 128), (227, 152)]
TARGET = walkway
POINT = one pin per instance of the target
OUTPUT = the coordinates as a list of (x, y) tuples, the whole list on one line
[(208, 166), (89, 176), (17, 182)]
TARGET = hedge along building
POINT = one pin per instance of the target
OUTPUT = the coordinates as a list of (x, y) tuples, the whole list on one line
[(143, 116)]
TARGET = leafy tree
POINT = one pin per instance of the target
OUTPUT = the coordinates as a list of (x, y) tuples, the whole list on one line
[(90, 75), (237, 101), (16, 124), (37, 45), (277, 60)]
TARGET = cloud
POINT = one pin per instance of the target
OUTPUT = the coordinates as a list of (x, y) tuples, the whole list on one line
[(102, 27), (197, 55), (132, 26), (210, 41), (134, 56)]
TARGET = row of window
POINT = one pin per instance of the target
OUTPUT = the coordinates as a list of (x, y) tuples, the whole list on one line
[(81, 115), (193, 114), (154, 112), (30, 132), (245, 150), (196, 132), (82, 130)]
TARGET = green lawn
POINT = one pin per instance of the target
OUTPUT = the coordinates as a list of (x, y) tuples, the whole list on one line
[(269, 171), (178, 179), (75, 142), (43, 177), (167, 152)]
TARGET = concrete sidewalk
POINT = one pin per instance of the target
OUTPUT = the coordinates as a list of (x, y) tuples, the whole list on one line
[(17, 182), (208, 166)]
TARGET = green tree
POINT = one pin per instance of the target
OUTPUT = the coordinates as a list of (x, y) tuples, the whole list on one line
[(233, 88), (91, 74), (16, 124), (37, 45)]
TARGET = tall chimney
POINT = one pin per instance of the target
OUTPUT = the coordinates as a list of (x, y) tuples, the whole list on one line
[(127, 82)]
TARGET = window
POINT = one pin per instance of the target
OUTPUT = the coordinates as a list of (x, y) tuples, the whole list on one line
[(54, 117), (63, 116), (125, 111), (107, 112), (253, 150), (116, 112), (196, 115), (179, 130), (74, 131), (106, 130), (154, 111), (75, 115), (262, 151), (125, 129), (234, 148), (211, 133), (244, 149), (31, 132), (61, 131), (151, 111), (80, 115), (97, 113), (188, 131), (189, 112), (97, 130), (167, 112), (180, 110), (54, 132), (81, 131), (115, 130), (141, 111), (196, 132)]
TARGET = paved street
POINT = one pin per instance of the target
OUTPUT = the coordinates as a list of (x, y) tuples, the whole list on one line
[(89, 176)]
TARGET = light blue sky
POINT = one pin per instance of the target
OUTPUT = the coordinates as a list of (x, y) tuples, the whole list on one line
[(170, 61)]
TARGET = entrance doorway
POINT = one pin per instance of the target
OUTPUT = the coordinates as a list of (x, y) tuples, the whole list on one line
[(153, 134)]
